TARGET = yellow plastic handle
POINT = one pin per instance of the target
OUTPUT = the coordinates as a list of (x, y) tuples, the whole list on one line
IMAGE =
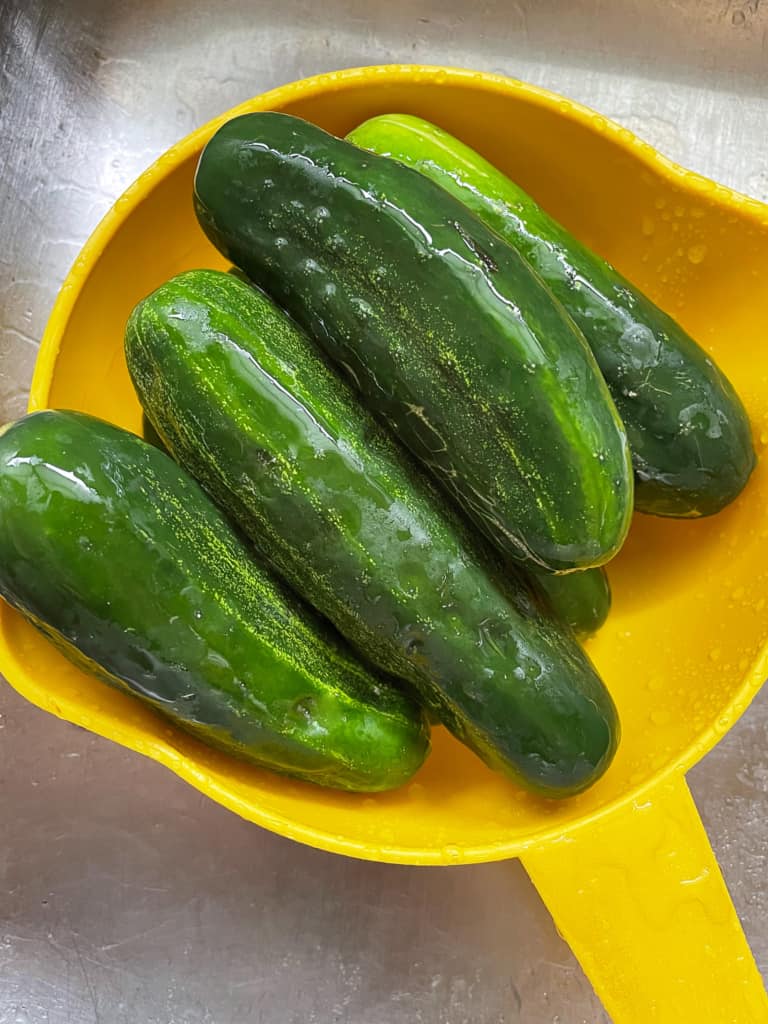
[(640, 899)]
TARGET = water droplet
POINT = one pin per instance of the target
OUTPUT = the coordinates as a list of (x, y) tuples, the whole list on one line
[(197, 613), (700, 418), (648, 227), (321, 213), (715, 654), (640, 345), (363, 309), (337, 243), (452, 854), (679, 211), (305, 707), (696, 253), (655, 683), (661, 717), (413, 647), (738, 593)]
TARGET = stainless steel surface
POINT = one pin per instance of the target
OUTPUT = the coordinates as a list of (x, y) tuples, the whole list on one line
[(124, 895)]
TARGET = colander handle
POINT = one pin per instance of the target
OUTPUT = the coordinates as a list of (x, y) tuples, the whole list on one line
[(640, 899)]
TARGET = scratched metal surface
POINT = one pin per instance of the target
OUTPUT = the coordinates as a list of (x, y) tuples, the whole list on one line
[(124, 895)]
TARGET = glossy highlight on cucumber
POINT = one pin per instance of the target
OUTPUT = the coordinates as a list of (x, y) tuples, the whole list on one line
[(443, 328), (688, 431), (127, 566)]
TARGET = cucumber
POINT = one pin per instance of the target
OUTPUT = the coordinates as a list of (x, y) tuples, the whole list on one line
[(688, 430), (582, 600), (246, 403), (120, 558), (450, 337)]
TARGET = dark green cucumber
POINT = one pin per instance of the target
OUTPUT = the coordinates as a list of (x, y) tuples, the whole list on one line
[(445, 330), (688, 431), (126, 564), (580, 599), (245, 402)]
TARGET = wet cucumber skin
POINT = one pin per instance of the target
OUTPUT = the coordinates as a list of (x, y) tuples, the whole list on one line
[(443, 328), (582, 600), (128, 567), (245, 401), (688, 431)]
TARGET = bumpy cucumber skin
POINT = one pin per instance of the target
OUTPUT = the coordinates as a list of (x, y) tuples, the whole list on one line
[(688, 431), (126, 564), (244, 400), (443, 327), (581, 600)]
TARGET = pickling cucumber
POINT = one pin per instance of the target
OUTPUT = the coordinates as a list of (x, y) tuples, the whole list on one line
[(246, 403), (445, 330), (121, 559)]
